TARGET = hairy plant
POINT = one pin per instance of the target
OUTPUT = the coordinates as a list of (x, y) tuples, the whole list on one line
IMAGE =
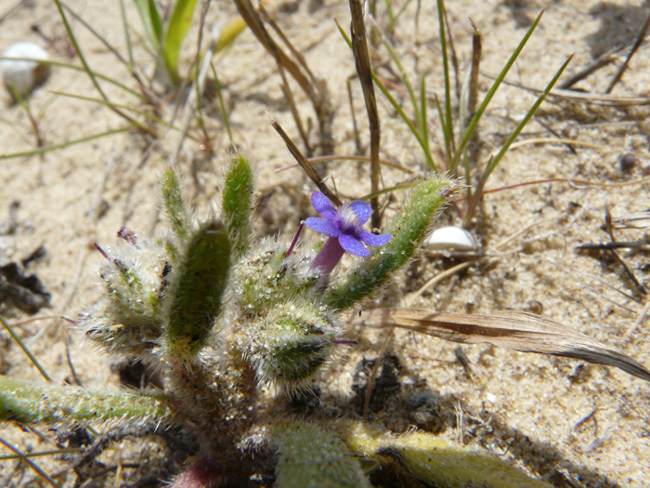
[(234, 325)]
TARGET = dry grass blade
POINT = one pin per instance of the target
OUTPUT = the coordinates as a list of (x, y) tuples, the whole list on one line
[(515, 330)]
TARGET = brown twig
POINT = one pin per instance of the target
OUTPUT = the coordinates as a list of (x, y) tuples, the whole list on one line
[(630, 274), (602, 61), (375, 371), (362, 62), (639, 40), (306, 165), (601, 246), (469, 95), (314, 88), (334, 157)]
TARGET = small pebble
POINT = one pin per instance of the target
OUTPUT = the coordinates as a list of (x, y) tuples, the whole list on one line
[(21, 77), (536, 307), (628, 162), (450, 237)]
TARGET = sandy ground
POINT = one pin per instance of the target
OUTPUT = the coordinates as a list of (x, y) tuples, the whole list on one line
[(572, 424)]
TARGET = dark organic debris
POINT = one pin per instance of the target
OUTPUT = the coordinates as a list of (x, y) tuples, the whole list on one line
[(425, 410), (386, 385), (135, 373), (25, 291)]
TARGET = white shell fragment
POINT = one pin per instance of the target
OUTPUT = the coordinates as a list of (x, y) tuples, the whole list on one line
[(21, 76), (451, 238)]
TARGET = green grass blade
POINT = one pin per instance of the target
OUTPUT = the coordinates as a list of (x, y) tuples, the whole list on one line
[(495, 161), (408, 122), (497, 82), (493, 164), (407, 83), (397, 108), (127, 108), (443, 124), (53, 147), (151, 21), (52, 452), (127, 36), (448, 125), (100, 76), (95, 33), (230, 33), (390, 189), (177, 27), (222, 105), (25, 349), (90, 73), (424, 126)]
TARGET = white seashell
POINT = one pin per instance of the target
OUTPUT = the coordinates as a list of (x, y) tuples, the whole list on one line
[(22, 76), (448, 238)]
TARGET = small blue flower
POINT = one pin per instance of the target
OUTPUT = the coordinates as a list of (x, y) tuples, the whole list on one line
[(346, 224)]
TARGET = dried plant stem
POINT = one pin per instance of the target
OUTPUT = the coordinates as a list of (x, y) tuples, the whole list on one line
[(375, 371), (639, 40), (306, 165), (315, 89), (439, 277), (635, 326), (365, 159), (602, 61), (362, 61), (468, 104)]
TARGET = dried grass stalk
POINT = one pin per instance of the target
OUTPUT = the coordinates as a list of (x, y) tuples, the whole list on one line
[(515, 330)]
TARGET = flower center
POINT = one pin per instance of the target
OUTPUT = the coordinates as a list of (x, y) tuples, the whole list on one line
[(348, 220)]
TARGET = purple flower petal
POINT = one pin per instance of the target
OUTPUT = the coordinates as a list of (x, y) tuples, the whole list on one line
[(362, 209), (353, 246), (374, 239), (323, 226), (323, 206)]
